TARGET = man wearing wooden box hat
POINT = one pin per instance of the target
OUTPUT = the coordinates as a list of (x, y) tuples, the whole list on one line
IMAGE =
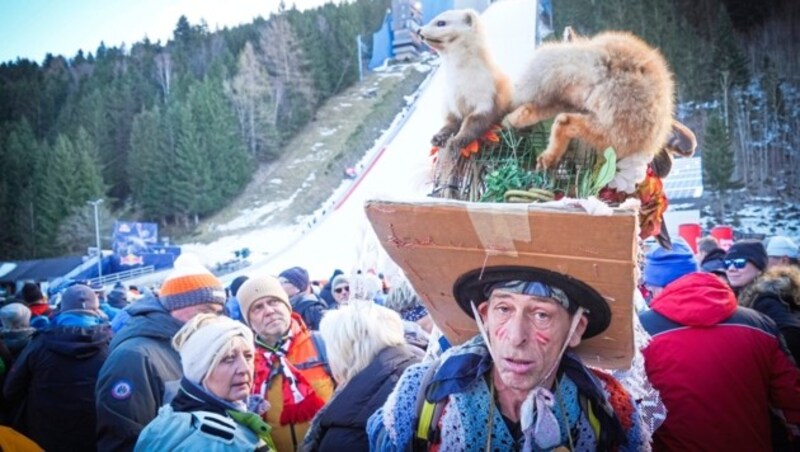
[(516, 385)]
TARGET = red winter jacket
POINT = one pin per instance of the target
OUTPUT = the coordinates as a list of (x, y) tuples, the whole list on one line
[(719, 368)]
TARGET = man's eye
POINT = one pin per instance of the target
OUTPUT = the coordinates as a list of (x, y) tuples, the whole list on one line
[(542, 319)]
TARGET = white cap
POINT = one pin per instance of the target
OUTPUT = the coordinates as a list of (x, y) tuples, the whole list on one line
[(780, 246)]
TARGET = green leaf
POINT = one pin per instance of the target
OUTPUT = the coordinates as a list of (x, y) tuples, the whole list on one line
[(606, 172)]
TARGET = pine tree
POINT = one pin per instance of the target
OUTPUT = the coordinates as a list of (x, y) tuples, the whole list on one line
[(21, 160), (727, 55), (149, 164), (190, 173), (89, 181), (718, 164), (221, 147)]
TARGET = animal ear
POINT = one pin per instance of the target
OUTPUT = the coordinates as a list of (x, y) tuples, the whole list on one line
[(470, 18)]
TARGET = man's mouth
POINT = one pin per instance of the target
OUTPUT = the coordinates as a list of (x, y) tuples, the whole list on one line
[(518, 366)]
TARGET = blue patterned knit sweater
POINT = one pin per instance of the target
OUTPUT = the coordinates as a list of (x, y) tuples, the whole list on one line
[(464, 423)]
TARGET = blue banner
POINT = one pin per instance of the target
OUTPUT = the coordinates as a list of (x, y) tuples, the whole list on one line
[(132, 239)]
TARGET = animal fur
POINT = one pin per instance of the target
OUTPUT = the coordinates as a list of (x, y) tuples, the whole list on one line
[(610, 90), (782, 282), (477, 93)]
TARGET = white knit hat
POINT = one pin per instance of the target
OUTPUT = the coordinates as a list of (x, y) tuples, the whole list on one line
[(780, 246), (201, 339)]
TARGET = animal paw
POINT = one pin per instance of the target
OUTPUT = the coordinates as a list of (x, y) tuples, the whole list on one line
[(546, 160), (440, 139), (457, 144)]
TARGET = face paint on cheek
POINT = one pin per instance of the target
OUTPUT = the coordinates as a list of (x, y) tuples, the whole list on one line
[(542, 338), (502, 334)]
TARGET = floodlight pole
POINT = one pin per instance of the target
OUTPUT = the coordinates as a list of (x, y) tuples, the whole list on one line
[(95, 203)]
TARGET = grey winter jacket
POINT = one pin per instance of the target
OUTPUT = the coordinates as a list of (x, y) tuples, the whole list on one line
[(130, 387)]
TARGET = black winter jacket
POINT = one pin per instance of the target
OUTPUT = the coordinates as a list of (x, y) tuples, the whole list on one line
[(131, 385), (54, 380), (342, 423), (310, 307)]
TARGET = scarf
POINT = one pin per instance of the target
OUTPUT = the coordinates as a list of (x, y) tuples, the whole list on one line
[(462, 367), (300, 401)]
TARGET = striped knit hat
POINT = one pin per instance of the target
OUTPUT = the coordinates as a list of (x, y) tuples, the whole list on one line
[(190, 284)]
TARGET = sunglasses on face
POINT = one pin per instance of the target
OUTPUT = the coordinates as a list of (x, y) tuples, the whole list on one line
[(340, 289), (737, 263)]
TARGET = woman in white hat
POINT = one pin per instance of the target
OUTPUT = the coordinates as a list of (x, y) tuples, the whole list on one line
[(213, 410)]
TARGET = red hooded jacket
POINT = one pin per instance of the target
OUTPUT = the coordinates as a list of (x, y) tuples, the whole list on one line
[(719, 368)]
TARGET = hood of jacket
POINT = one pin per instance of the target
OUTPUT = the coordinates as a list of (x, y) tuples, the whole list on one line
[(697, 299), (782, 282), (148, 318), (77, 342), (16, 340)]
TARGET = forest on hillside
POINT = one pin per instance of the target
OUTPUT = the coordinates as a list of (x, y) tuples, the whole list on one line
[(164, 132), (170, 132)]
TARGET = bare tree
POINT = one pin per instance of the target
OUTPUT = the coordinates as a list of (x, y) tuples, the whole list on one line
[(164, 73), (250, 91), (286, 59)]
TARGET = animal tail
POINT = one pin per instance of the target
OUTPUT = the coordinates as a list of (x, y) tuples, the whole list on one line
[(680, 141)]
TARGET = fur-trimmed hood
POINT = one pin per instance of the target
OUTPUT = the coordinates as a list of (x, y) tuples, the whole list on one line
[(782, 282)]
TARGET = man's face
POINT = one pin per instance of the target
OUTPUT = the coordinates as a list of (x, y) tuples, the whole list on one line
[(740, 277), (187, 313), (269, 317), (526, 335), (290, 289), (774, 261), (341, 293)]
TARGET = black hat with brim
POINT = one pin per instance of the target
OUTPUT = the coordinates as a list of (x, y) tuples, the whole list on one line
[(472, 287)]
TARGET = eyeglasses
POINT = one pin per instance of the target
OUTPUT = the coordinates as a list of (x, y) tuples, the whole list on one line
[(737, 263), (340, 289)]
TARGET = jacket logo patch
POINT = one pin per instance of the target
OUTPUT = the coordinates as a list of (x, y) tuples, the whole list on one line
[(122, 390)]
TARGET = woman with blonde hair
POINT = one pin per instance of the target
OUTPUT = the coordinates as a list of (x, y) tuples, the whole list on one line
[(367, 353), (213, 410)]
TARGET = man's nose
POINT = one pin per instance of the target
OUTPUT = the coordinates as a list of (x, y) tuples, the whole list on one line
[(242, 365), (518, 329)]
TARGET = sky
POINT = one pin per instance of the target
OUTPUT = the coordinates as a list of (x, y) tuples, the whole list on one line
[(32, 28)]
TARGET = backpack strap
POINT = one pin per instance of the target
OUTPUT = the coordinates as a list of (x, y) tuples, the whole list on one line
[(321, 358), (428, 413)]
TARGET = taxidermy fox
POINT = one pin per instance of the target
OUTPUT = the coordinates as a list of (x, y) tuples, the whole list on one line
[(609, 90)]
